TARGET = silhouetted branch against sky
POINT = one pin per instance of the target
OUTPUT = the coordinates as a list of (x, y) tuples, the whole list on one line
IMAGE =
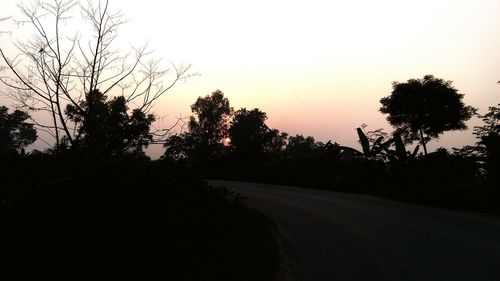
[(2, 31), (315, 67), (59, 65)]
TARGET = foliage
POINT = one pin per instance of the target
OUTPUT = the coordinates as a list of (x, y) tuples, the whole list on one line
[(249, 134), (179, 147), (110, 130), (489, 133), (202, 143), (277, 142), (384, 167), (365, 144), (300, 147), (489, 142), (422, 109), (15, 133), (377, 145), (129, 212), (213, 114)]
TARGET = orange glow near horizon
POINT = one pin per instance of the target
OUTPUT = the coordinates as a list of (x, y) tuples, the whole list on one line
[(317, 67)]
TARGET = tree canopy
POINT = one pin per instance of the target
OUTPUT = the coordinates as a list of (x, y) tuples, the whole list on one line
[(15, 133), (491, 128), (249, 133), (110, 130), (422, 109), (212, 117), (206, 130), (300, 147), (489, 142)]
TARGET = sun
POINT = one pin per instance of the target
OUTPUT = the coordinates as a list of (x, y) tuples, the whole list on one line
[(226, 141)]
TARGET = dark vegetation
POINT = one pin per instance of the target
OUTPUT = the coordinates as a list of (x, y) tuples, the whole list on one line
[(100, 205), (130, 217), (387, 165), (96, 201), (422, 109), (15, 133)]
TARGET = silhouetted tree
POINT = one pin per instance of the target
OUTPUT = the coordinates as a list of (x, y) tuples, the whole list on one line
[(55, 68), (207, 129), (377, 145), (422, 109), (300, 147), (180, 147), (489, 142), (277, 142), (15, 133), (212, 117), (111, 130), (249, 134)]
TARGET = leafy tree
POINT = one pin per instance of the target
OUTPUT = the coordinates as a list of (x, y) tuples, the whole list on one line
[(180, 147), (377, 145), (489, 142), (277, 142), (491, 127), (300, 147), (249, 133), (111, 130), (213, 114), (15, 133), (422, 109), (207, 129)]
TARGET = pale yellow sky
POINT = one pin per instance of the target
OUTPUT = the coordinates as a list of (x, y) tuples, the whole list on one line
[(319, 67)]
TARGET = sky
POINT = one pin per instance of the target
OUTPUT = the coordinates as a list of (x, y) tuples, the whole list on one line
[(316, 67)]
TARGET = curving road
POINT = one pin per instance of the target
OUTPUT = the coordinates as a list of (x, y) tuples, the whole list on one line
[(340, 236)]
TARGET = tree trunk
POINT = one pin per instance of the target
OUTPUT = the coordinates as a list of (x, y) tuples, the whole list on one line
[(422, 141)]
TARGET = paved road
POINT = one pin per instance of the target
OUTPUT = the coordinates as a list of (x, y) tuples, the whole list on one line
[(341, 236)]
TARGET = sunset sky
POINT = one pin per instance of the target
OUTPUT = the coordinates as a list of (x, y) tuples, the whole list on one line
[(316, 67)]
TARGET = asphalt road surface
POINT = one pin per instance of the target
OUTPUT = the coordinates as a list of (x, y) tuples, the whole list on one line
[(340, 236)]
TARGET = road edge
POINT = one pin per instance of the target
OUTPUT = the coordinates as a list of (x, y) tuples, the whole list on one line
[(287, 269), (287, 264)]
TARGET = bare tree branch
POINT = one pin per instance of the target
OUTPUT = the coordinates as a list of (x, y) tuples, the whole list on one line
[(4, 31), (52, 71)]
